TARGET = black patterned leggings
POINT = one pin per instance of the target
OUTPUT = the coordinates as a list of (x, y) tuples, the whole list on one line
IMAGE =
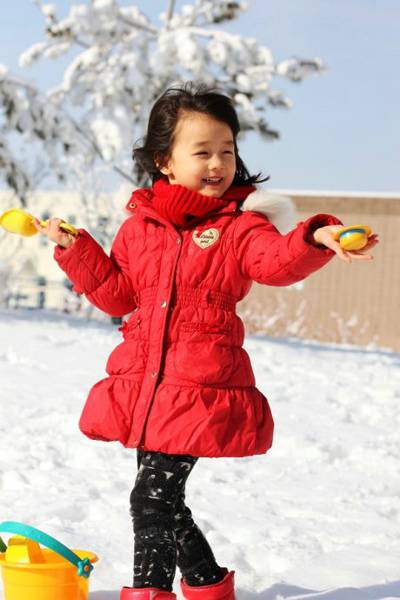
[(165, 534)]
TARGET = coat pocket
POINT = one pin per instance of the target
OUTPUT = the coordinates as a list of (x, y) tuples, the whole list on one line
[(204, 328), (203, 353), (128, 358)]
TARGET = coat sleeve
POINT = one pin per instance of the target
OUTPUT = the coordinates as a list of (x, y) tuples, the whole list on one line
[(104, 279), (268, 257)]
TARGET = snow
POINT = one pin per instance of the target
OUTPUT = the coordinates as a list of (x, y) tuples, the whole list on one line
[(31, 54), (317, 517)]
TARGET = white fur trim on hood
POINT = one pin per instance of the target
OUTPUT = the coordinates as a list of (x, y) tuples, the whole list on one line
[(280, 210)]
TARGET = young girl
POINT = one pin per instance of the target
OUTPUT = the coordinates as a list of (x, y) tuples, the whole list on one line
[(180, 385)]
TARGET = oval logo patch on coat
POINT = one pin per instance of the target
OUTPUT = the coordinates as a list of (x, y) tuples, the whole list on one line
[(206, 238)]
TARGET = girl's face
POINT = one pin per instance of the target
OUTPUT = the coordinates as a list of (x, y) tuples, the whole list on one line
[(203, 155)]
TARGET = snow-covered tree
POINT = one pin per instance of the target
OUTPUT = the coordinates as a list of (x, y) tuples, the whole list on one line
[(120, 62)]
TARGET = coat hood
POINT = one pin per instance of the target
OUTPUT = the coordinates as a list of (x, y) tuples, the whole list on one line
[(280, 210)]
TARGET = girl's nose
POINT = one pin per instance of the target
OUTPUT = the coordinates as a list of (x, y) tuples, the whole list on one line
[(215, 162)]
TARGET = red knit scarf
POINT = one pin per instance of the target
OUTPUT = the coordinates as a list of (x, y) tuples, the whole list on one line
[(178, 204)]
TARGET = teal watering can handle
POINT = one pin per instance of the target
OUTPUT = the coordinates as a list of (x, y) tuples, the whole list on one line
[(83, 565)]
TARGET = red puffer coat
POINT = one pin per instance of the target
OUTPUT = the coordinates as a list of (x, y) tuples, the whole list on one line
[(180, 381)]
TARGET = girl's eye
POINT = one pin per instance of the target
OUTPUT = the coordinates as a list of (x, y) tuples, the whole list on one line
[(206, 153)]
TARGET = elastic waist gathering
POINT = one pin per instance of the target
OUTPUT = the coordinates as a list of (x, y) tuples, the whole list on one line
[(189, 296)]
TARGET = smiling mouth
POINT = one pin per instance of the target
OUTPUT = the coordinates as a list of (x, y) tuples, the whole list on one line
[(212, 180)]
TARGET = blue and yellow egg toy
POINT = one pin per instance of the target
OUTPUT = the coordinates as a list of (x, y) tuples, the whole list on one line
[(353, 237)]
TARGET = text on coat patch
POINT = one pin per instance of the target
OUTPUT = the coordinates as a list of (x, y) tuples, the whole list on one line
[(206, 237)]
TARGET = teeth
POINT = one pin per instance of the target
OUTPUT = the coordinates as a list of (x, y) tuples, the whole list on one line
[(216, 180)]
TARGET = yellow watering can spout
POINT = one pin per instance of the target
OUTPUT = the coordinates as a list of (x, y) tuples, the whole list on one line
[(16, 220)]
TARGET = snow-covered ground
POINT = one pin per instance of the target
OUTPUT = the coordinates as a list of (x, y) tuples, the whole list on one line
[(317, 517)]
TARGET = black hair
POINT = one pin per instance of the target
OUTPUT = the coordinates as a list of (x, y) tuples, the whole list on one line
[(163, 119)]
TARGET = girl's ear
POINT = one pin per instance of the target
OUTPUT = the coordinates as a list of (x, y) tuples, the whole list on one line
[(165, 170), (162, 164)]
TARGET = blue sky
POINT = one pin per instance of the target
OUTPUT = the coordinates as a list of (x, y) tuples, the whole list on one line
[(343, 132)]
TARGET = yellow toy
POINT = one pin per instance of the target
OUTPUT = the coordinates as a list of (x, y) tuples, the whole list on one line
[(18, 221), (353, 237), (31, 572), (23, 550)]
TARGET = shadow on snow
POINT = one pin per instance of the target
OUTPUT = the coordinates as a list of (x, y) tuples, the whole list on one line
[(281, 591)]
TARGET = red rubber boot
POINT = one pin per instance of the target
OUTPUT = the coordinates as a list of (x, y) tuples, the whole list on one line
[(128, 593), (223, 590)]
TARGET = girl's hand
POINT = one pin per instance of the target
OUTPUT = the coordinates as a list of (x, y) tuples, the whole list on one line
[(324, 235), (54, 232)]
